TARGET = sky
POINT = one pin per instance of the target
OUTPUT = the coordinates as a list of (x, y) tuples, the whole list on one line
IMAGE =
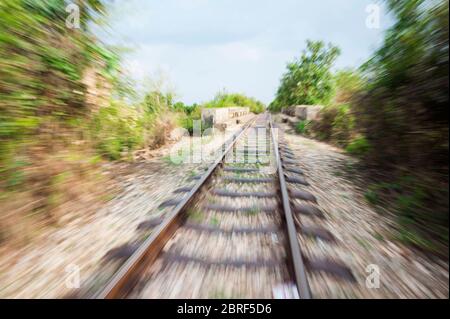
[(201, 47)]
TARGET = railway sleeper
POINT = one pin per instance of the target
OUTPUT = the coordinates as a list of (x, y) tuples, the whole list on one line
[(150, 224), (317, 232), (122, 252), (232, 160), (252, 153), (236, 230), (289, 161), (303, 195), (227, 193), (240, 169), (293, 170), (235, 263), (252, 209), (184, 189), (248, 180), (170, 202), (309, 210), (288, 156), (296, 180), (331, 267)]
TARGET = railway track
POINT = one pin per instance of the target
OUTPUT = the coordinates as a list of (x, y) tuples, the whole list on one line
[(233, 233)]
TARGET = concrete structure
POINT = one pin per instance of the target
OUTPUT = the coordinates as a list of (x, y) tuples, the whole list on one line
[(303, 112), (218, 116)]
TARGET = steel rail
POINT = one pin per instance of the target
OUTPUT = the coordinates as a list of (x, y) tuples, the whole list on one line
[(121, 281), (296, 256)]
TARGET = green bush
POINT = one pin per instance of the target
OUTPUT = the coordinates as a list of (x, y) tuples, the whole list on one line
[(187, 116), (421, 219), (308, 80), (187, 121), (342, 125), (42, 64), (335, 124), (358, 146), (116, 129), (235, 99), (302, 127), (404, 109), (347, 83)]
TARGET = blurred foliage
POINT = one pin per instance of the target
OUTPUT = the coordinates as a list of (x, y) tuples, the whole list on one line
[(117, 129), (41, 69), (346, 83), (302, 127), (392, 112), (64, 105), (359, 146), (188, 114), (223, 99), (308, 80), (421, 206), (404, 111), (335, 123)]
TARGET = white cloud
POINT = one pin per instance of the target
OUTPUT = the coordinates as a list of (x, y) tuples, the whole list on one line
[(204, 46)]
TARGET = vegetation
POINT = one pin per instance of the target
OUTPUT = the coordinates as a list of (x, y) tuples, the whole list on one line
[(223, 99), (403, 113), (392, 113), (358, 146), (64, 105), (190, 113), (407, 95), (302, 127), (187, 115), (41, 71), (308, 80)]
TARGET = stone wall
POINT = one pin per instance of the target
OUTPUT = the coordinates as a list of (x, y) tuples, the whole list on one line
[(217, 116), (303, 112)]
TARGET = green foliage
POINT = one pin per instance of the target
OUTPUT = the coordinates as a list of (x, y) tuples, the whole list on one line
[(347, 83), (371, 196), (156, 102), (235, 99), (358, 146), (187, 122), (42, 63), (302, 127), (189, 114), (404, 110), (308, 80), (334, 124), (343, 125), (421, 220), (393, 113), (116, 129), (403, 113)]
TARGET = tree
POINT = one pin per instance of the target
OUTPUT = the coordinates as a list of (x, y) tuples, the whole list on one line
[(224, 99), (308, 80), (405, 107)]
